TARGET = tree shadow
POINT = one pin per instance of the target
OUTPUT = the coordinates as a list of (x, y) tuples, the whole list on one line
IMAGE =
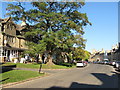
[(7, 68), (107, 82), (2, 63), (4, 79)]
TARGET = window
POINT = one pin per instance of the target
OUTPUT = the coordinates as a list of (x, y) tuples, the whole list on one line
[(0, 52), (12, 39), (8, 38), (10, 27), (7, 26), (4, 52)]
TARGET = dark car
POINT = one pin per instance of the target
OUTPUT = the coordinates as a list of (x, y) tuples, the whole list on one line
[(85, 63), (95, 62), (110, 62), (101, 62), (106, 62)]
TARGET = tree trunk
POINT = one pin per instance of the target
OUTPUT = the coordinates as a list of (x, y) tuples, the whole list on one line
[(50, 60)]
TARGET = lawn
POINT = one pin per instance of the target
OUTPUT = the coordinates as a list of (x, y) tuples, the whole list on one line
[(36, 66), (18, 75), (7, 64)]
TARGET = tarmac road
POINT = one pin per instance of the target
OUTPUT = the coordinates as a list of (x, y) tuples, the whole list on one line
[(92, 76)]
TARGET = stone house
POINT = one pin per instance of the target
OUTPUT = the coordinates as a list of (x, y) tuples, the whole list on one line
[(114, 53), (97, 55), (111, 55), (12, 43), (117, 53)]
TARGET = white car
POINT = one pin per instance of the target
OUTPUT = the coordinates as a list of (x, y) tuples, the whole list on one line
[(80, 64), (113, 63)]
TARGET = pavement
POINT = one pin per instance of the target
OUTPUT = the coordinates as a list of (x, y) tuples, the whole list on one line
[(92, 76), (49, 71)]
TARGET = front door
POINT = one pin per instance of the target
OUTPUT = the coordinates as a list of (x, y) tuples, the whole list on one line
[(8, 55)]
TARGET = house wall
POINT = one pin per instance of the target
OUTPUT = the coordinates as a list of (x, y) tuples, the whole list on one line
[(14, 44), (12, 39), (1, 39), (22, 44), (10, 29), (109, 56)]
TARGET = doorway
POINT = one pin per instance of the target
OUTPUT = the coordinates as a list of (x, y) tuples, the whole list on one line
[(8, 55)]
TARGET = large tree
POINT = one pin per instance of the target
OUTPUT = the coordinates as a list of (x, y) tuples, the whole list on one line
[(58, 26)]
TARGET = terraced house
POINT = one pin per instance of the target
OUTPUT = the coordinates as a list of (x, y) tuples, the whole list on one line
[(111, 55), (12, 42)]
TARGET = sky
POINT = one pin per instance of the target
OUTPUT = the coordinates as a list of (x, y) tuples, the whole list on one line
[(104, 30)]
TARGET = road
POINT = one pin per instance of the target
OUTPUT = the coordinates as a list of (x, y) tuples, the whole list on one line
[(92, 76)]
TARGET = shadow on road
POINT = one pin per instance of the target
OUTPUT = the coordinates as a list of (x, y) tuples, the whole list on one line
[(107, 82)]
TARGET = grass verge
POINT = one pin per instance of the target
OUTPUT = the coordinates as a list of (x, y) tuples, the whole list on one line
[(36, 66), (18, 75)]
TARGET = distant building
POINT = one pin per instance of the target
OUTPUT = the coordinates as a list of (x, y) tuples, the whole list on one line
[(12, 43), (97, 55), (111, 55), (117, 53)]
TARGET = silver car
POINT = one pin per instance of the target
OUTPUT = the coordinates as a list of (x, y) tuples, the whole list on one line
[(117, 64)]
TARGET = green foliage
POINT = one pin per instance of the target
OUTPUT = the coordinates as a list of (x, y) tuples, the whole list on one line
[(54, 24), (78, 54), (17, 12), (36, 66), (8, 64), (67, 64), (87, 55)]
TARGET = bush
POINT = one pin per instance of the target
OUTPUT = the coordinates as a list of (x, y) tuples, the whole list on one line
[(67, 64)]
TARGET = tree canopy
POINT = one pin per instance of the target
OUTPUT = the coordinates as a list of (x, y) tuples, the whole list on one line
[(58, 26)]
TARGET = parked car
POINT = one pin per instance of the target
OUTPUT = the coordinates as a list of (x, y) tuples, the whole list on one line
[(113, 63), (110, 62), (106, 62), (80, 64), (95, 62), (85, 63), (100, 62), (117, 65)]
